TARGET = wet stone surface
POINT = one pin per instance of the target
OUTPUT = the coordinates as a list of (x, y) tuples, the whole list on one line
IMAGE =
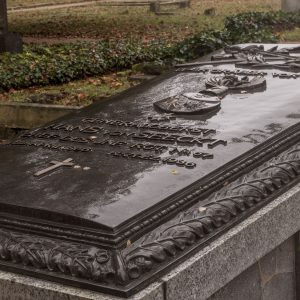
[(116, 170), (139, 155)]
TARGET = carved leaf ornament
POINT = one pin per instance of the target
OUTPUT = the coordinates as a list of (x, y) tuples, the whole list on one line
[(70, 259), (230, 202), (162, 246)]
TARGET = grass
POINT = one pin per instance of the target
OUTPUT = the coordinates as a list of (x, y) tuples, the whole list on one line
[(116, 23), (129, 22), (76, 93), (290, 36)]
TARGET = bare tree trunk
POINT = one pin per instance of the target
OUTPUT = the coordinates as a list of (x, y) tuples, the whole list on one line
[(3, 17)]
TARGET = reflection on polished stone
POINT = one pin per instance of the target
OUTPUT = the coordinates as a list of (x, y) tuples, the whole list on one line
[(113, 196)]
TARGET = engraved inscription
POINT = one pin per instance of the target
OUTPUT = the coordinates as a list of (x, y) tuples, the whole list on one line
[(214, 71), (286, 75), (165, 160), (236, 72), (50, 146), (158, 135)]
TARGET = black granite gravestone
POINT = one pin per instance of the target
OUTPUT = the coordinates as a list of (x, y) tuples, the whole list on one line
[(9, 42), (112, 197)]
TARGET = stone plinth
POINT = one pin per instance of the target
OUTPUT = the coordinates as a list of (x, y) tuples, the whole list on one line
[(253, 261), (11, 42), (30, 115), (290, 5)]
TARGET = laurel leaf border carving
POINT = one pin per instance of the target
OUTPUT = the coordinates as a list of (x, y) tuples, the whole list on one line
[(200, 222), (123, 267), (86, 262)]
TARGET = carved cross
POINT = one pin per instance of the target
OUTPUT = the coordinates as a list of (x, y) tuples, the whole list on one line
[(3, 17), (56, 164)]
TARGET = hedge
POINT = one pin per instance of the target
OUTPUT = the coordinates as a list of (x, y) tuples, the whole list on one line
[(61, 63)]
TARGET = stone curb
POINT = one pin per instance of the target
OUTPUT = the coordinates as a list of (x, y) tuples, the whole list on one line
[(85, 3), (27, 116)]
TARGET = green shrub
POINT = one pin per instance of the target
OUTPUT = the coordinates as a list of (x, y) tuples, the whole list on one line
[(56, 64), (247, 23), (43, 65), (253, 27)]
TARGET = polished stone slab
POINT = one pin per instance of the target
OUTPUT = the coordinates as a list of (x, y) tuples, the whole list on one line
[(105, 198), (244, 121)]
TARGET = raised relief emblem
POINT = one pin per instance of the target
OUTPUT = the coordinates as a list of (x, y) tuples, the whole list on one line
[(209, 99), (256, 57)]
